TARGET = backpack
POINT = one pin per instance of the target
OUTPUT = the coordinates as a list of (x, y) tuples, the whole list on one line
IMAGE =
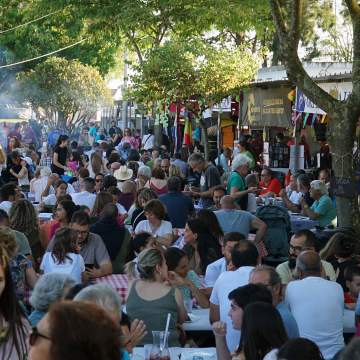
[(278, 221)]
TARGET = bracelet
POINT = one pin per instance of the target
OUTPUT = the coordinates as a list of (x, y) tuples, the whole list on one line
[(294, 276), (195, 292)]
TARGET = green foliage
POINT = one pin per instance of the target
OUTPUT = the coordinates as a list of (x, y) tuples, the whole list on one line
[(68, 88), (179, 71)]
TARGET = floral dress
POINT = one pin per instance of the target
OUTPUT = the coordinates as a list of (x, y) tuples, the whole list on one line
[(132, 141), (19, 264), (185, 290)]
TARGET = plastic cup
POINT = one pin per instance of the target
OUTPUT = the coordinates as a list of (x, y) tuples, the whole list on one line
[(188, 303), (147, 348)]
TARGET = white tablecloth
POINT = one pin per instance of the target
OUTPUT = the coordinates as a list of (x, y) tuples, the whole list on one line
[(349, 322), (186, 353), (201, 325)]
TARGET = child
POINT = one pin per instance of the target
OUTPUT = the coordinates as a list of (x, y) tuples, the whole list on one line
[(352, 278), (115, 192), (60, 187), (24, 176), (64, 257), (74, 161)]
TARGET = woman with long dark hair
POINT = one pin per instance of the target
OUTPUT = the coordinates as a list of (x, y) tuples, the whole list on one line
[(202, 248), (244, 148), (213, 223), (15, 326), (262, 333), (59, 164)]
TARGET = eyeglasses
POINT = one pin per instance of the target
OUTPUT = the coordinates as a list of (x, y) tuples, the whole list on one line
[(263, 175), (99, 180), (34, 335), (82, 233), (297, 249)]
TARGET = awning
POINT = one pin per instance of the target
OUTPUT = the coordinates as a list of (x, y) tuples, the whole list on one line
[(14, 120), (267, 107)]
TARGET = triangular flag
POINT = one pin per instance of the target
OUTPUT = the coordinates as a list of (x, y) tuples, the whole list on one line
[(357, 131), (323, 118), (312, 132), (291, 131), (296, 119), (313, 119), (306, 116)]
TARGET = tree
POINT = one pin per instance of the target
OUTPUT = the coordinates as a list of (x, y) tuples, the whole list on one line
[(192, 73), (67, 94), (344, 115)]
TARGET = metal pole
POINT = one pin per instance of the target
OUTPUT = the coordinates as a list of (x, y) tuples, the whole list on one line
[(240, 117), (219, 135), (142, 120), (125, 103), (296, 155), (130, 114)]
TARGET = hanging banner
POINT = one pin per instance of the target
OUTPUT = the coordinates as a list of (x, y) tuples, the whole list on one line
[(340, 91), (224, 106)]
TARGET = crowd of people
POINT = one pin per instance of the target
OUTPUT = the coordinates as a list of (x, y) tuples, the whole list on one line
[(167, 221)]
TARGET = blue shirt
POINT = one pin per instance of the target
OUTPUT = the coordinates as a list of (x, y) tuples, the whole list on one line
[(124, 355), (289, 321), (53, 137), (223, 162), (178, 206), (235, 220), (184, 168), (89, 153), (36, 316), (197, 133)]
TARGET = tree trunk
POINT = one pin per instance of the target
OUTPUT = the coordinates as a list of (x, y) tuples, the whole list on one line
[(158, 132), (275, 50), (205, 140), (240, 39)]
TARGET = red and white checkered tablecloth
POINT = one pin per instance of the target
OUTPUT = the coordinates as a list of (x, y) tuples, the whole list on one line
[(263, 251), (118, 282)]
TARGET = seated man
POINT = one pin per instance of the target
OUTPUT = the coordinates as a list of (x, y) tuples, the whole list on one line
[(114, 236), (86, 196), (215, 269), (127, 196), (239, 220), (8, 194), (294, 195), (39, 184), (272, 186), (240, 298), (317, 305), (301, 241), (323, 209), (219, 192), (244, 257), (267, 276), (303, 185), (92, 248)]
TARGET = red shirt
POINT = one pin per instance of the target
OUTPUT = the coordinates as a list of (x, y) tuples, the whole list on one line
[(273, 186), (348, 299)]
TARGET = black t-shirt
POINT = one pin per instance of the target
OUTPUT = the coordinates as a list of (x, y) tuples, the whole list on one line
[(111, 131), (139, 215), (280, 155), (6, 175), (62, 152)]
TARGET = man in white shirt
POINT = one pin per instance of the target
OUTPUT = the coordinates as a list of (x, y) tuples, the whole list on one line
[(85, 197), (8, 195), (244, 257), (215, 269), (295, 195), (317, 305), (39, 185), (301, 241), (148, 140)]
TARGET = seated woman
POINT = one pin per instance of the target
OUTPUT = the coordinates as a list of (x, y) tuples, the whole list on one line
[(174, 170), (21, 267), (213, 223), (155, 224), (103, 198), (60, 187), (50, 288), (15, 327), (202, 248), (139, 243), (149, 300), (64, 257), (23, 218), (96, 165), (157, 181), (82, 173), (344, 249), (64, 212), (187, 281)]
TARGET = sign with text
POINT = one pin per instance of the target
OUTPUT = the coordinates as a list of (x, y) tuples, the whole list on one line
[(344, 187), (320, 131)]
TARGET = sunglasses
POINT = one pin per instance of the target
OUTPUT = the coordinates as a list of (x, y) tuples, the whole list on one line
[(34, 335), (99, 180)]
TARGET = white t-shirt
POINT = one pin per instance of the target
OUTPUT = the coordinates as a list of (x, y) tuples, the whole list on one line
[(149, 142), (121, 209), (130, 212), (70, 190), (50, 200), (295, 196), (84, 198), (165, 227), (227, 282), (5, 205), (251, 207), (272, 355), (318, 307), (213, 271)]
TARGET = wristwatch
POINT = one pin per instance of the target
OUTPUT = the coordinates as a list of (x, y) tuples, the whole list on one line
[(306, 206), (156, 236)]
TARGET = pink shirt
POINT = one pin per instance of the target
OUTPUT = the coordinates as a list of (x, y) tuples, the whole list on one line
[(132, 141)]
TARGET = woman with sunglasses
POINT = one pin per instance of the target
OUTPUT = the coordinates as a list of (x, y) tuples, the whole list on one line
[(99, 183), (129, 138), (15, 326)]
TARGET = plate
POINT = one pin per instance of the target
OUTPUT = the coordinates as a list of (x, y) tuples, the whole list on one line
[(202, 354)]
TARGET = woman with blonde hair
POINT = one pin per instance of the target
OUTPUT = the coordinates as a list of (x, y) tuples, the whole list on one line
[(327, 253), (96, 165), (14, 144), (103, 198), (21, 267), (129, 138), (2, 164), (174, 170), (23, 218), (150, 300)]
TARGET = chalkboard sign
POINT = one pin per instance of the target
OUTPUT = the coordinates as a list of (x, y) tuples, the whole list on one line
[(320, 131), (344, 187)]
